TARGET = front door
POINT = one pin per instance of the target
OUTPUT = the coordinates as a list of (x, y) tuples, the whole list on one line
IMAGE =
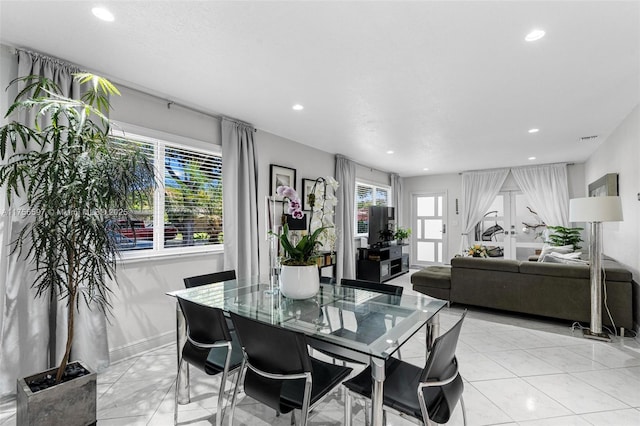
[(428, 242)]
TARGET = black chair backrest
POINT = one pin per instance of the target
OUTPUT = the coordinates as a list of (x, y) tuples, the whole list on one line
[(272, 349), (443, 353), (215, 277), (205, 325), (393, 290)]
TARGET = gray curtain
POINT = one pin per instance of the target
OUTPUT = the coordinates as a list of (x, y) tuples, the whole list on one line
[(29, 342), (396, 193), (345, 218), (240, 199), (546, 187)]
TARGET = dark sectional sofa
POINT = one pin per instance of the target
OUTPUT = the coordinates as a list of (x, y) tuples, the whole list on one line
[(539, 288)]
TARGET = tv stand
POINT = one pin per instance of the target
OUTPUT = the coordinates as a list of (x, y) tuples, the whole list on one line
[(381, 264)]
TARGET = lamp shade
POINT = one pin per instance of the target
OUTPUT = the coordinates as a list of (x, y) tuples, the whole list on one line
[(595, 209)]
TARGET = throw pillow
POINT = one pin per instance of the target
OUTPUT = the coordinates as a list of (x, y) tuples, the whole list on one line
[(554, 249), (567, 258)]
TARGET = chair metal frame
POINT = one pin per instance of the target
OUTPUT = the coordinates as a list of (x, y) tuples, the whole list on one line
[(426, 421), (223, 379), (306, 407)]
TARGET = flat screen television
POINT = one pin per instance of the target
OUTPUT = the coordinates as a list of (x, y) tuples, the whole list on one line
[(381, 225)]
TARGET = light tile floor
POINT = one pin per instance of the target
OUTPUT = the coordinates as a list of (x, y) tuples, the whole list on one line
[(517, 370)]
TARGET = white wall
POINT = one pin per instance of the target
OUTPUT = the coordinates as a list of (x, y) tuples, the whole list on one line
[(620, 153), (308, 162)]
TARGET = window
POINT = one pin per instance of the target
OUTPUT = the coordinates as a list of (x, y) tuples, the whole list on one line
[(184, 213), (368, 195)]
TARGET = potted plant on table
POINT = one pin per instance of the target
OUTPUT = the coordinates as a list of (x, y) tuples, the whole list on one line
[(72, 176), (402, 234), (299, 277), (563, 236)]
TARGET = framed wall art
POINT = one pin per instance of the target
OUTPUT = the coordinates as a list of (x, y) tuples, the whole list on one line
[(279, 176), (607, 185)]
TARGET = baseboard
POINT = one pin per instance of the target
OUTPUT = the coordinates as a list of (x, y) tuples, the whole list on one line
[(144, 345)]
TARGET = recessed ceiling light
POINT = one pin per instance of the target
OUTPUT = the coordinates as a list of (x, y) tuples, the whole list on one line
[(297, 107), (535, 35), (531, 158), (425, 169), (389, 152), (534, 130), (103, 14)]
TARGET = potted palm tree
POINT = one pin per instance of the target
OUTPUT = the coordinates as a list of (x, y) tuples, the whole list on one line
[(74, 178)]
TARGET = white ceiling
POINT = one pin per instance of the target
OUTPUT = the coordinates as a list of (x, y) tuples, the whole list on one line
[(448, 86)]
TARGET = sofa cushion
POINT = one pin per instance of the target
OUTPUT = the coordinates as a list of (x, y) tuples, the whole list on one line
[(505, 265), (433, 276), (555, 269)]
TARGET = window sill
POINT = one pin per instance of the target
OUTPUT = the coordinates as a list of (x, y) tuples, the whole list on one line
[(129, 258)]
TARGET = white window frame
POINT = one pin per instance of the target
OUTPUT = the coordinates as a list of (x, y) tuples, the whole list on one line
[(160, 140), (375, 186)]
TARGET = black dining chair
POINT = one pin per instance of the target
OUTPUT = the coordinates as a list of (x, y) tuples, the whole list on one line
[(390, 289), (423, 394), (279, 371), (210, 347), (363, 319), (214, 277)]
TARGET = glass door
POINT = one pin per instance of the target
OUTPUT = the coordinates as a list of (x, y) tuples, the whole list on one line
[(428, 244), (510, 228)]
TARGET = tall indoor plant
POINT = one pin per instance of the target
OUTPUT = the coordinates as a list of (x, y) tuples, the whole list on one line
[(72, 177)]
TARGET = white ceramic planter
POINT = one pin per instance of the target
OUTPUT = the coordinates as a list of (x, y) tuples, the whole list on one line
[(299, 282)]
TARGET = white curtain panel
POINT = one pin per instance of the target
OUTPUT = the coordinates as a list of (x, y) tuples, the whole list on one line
[(396, 194), (479, 189), (26, 344), (345, 218), (240, 199), (547, 190)]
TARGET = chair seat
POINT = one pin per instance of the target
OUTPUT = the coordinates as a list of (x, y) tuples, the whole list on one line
[(287, 395), (400, 390), (326, 376), (211, 361)]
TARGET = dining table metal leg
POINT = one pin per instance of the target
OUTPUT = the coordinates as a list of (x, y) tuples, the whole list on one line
[(377, 387), (183, 372)]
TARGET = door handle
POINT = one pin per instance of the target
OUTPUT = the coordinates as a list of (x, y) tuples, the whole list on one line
[(444, 228)]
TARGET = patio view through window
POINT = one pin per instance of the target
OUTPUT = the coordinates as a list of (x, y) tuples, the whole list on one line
[(185, 210)]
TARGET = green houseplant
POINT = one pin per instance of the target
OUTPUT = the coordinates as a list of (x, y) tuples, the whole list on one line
[(563, 236), (402, 234), (74, 178)]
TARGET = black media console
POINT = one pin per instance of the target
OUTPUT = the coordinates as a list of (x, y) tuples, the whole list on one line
[(382, 264)]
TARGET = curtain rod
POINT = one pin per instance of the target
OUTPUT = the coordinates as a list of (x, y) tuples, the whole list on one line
[(516, 167), (139, 90)]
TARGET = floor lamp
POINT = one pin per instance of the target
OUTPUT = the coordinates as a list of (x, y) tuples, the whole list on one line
[(595, 210)]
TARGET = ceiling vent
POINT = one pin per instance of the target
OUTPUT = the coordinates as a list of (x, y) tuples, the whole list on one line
[(589, 138)]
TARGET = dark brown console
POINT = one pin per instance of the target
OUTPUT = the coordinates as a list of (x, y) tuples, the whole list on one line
[(382, 264)]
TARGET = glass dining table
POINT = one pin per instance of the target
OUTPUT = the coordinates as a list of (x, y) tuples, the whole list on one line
[(361, 325)]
